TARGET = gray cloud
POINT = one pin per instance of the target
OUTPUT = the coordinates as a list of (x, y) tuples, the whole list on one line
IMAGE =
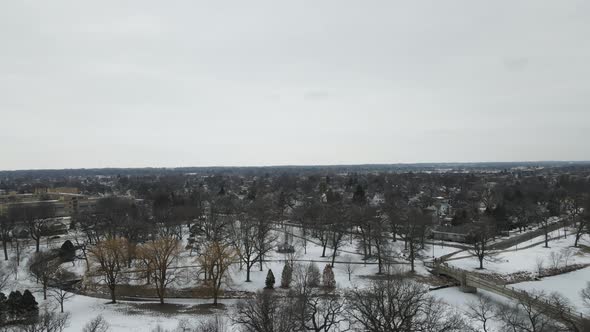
[(142, 83)]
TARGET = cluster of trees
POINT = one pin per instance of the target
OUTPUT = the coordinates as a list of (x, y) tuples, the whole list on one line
[(525, 314), (232, 220), (376, 208), (122, 233), (400, 304), (393, 304), (18, 308)]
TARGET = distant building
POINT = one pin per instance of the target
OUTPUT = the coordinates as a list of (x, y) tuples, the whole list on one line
[(66, 201), (377, 200), (453, 233)]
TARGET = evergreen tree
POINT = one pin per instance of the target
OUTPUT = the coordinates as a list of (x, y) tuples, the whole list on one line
[(14, 305), (359, 195), (314, 275), (328, 277), (67, 252), (3, 309), (270, 280), (286, 276), (29, 305), (221, 191)]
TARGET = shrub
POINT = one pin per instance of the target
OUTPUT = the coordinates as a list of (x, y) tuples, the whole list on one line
[(270, 280), (328, 277), (286, 276)]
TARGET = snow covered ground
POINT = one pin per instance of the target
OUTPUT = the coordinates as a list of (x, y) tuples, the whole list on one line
[(131, 316), (462, 302), (568, 284), (515, 260), (144, 316)]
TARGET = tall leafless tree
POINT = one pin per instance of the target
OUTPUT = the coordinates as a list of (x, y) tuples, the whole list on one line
[(160, 255), (110, 254), (266, 312), (400, 305)]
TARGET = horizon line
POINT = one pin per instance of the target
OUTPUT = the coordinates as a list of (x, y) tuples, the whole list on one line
[(456, 163)]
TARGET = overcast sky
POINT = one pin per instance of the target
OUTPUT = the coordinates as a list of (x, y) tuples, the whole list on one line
[(196, 83)]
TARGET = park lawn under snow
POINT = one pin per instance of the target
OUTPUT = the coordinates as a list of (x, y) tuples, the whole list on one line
[(144, 316), (567, 284), (515, 260), (135, 316), (462, 302)]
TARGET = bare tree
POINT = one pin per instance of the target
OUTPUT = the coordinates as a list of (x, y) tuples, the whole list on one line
[(412, 232), (60, 296), (111, 257), (555, 258), (480, 242), (6, 226), (577, 203), (400, 305), (540, 264), (337, 218), (48, 321), (585, 294), (380, 236), (98, 324), (160, 254), (544, 219), (566, 254), (35, 218), (349, 267), (261, 212), (266, 312), (214, 324), (245, 241), (527, 315), (43, 266), (216, 259), (37, 221), (324, 313), (82, 245), (483, 310), (6, 273), (305, 278)]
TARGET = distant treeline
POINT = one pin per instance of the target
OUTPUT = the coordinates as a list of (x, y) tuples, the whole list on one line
[(222, 170)]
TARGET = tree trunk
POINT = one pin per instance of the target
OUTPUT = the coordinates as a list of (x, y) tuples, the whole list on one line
[(113, 297), (37, 240), (5, 252), (412, 256), (546, 239), (247, 272), (61, 304), (333, 256)]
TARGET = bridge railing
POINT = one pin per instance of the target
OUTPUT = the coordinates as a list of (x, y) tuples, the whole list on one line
[(508, 291)]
